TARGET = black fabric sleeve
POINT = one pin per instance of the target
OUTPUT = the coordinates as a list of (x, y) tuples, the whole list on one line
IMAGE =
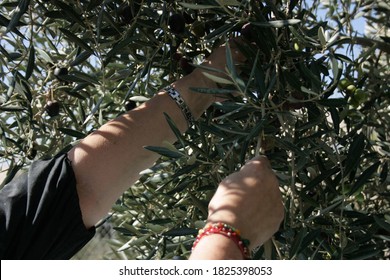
[(40, 216)]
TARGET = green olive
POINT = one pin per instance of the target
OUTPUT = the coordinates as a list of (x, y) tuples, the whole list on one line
[(297, 47), (360, 95), (344, 83), (350, 90)]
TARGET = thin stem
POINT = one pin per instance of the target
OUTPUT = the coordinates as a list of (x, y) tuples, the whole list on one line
[(341, 231)]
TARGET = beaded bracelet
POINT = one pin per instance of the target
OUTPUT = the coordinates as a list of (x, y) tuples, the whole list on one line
[(228, 231), (175, 95)]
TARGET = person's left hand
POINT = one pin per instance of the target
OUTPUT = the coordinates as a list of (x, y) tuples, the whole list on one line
[(217, 60)]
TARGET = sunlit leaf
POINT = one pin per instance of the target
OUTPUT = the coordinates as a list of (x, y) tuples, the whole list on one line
[(321, 36), (277, 23), (44, 55), (217, 79)]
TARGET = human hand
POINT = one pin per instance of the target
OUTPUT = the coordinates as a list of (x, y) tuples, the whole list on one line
[(217, 60), (198, 103), (250, 201)]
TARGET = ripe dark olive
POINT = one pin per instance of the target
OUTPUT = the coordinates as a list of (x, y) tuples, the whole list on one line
[(31, 153), (298, 95), (247, 32), (130, 105), (186, 66), (60, 71), (52, 108), (275, 124), (296, 104), (216, 113), (188, 18), (177, 56), (126, 13), (177, 23), (199, 29)]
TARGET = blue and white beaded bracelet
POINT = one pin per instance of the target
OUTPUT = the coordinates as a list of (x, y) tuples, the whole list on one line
[(175, 95)]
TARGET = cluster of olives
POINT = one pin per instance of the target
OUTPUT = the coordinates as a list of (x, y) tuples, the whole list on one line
[(52, 107)]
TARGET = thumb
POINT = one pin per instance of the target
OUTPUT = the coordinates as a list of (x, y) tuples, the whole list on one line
[(260, 160)]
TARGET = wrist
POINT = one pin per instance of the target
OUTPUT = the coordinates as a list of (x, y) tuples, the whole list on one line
[(196, 102), (198, 75), (231, 237), (230, 218), (216, 247), (224, 216)]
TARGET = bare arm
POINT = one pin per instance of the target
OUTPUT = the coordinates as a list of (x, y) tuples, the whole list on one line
[(109, 160)]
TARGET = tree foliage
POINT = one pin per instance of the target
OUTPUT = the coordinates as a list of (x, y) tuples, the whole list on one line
[(313, 97)]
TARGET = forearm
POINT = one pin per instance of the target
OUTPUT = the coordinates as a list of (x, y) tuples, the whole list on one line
[(216, 247), (109, 160)]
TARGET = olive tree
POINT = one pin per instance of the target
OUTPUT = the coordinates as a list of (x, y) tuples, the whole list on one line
[(313, 96)]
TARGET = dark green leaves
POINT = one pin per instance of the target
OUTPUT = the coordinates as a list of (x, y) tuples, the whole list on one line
[(80, 77), (19, 12), (72, 132), (333, 102), (80, 58), (364, 177), (355, 153), (165, 152), (69, 13), (296, 245), (383, 224), (73, 38), (181, 232), (31, 63)]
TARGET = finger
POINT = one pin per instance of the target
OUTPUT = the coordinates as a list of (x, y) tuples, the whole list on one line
[(260, 160)]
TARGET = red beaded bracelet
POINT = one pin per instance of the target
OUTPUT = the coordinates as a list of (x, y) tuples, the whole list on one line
[(228, 231)]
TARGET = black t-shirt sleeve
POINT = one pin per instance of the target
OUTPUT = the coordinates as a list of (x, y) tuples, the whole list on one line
[(40, 216)]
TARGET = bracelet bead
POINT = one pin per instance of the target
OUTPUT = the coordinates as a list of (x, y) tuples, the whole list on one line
[(228, 231)]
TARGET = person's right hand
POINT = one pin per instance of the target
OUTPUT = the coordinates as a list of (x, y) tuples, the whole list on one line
[(250, 201)]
